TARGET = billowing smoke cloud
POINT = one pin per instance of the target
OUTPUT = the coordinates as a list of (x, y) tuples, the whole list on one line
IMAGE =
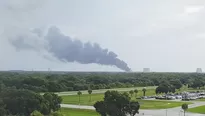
[(66, 49)]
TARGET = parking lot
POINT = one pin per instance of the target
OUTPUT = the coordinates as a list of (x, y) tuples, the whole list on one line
[(185, 96)]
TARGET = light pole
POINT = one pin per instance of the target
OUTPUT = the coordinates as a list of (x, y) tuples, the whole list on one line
[(166, 108), (180, 112)]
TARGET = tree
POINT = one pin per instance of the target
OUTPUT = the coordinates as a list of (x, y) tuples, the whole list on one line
[(56, 114), (100, 107), (176, 83), (184, 107), (197, 83), (165, 87), (144, 91), (54, 101), (131, 92), (36, 113), (22, 102), (136, 91), (79, 94), (133, 108), (27, 103), (116, 104), (162, 89), (45, 107), (172, 89), (2, 108), (2, 86), (39, 82), (90, 92)]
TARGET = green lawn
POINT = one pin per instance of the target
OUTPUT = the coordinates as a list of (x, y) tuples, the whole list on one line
[(201, 99), (145, 104), (78, 112), (200, 109), (84, 99), (104, 90), (155, 104)]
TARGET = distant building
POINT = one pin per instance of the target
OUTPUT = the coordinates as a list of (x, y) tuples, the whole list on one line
[(199, 70), (146, 69)]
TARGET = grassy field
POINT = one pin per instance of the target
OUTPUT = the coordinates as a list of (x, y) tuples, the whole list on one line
[(145, 104), (97, 95), (154, 104), (103, 90), (78, 112), (201, 99), (184, 88), (84, 99), (200, 109)]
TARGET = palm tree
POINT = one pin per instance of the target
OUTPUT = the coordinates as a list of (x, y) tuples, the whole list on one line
[(131, 92), (184, 107), (136, 91), (79, 94), (144, 91), (90, 92)]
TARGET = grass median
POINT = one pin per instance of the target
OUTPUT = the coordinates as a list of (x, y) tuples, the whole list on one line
[(203, 99), (104, 90), (78, 112), (156, 104), (200, 109), (85, 98)]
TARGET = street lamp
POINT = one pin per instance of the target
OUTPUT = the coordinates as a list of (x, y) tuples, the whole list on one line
[(166, 108), (180, 112)]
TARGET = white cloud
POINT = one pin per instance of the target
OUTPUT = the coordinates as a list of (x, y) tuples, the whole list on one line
[(192, 9)]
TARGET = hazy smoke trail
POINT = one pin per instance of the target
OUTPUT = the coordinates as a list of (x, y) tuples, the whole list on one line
[(67, 50)]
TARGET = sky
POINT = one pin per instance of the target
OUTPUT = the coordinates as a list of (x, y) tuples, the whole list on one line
[(163, 35)]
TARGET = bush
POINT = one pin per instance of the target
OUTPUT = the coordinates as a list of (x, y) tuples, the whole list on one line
[(36, 113), (56, 114)]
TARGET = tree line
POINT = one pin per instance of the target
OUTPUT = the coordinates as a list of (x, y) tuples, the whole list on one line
[(22, 102), (57, 82)]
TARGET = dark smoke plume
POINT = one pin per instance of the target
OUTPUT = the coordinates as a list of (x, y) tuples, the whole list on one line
[(67, 50)]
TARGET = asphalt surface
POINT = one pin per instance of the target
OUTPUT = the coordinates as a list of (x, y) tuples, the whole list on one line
[(162, 112)]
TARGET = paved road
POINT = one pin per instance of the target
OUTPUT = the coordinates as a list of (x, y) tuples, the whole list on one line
[(170, 112)]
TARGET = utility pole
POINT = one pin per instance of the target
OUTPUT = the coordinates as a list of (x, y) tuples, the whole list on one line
[(166, 108)]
